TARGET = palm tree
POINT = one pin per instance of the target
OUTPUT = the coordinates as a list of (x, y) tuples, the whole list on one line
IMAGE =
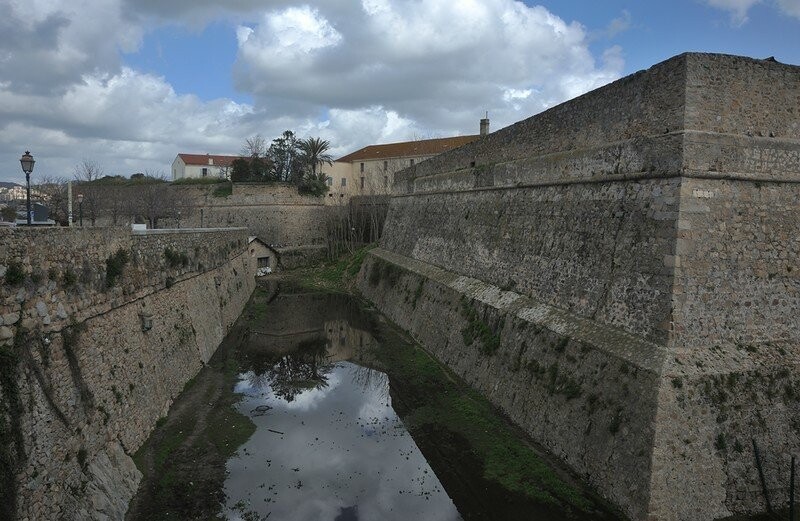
[(315, 153)]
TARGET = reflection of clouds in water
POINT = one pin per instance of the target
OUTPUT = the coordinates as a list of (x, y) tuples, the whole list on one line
[(342, 447), (304, 400)]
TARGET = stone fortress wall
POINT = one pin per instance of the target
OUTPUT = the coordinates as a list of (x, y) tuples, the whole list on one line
[(276, 214), (91, 364), (620, 275)]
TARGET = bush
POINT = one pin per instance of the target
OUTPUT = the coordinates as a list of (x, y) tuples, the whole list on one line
[(114, 266), (176, 259), (14, 274)]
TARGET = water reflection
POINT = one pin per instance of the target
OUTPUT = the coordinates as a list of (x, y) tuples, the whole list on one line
[(328, 443)]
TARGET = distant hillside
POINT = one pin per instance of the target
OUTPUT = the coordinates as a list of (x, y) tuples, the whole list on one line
[(6, 184)]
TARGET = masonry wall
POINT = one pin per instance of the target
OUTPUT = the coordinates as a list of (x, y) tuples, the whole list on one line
[(662, 206), (596, 250), (97, 365), (276, 214)]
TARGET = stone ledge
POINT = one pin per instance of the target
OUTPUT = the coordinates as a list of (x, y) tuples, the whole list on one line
[(625, 346)]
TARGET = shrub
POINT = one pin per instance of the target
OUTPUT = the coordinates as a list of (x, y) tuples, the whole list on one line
[(14, 274), (176, 259), (114, 266), (69, 278)]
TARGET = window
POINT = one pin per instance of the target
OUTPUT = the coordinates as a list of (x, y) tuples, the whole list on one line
[(329, 181), (385, 166), (344, 181), (385, 181), (362, 168), (205, 172), (263, 262), (362, 183), (411, 162)]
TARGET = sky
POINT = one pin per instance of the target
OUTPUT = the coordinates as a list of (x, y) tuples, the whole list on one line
[(128, 84)]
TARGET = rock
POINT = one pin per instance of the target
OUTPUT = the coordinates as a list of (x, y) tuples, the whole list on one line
[(9, 319), (61, 312), (114, 480), (6, 333), (28, 324), (41, 308)]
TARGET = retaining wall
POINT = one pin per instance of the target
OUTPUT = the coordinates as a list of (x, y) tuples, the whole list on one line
[(98, 364)]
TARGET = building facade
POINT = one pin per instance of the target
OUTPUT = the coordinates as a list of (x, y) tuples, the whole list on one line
[(196, 166), (370, 170)]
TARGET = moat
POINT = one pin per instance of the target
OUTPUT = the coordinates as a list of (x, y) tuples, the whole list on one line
[(315, 408)]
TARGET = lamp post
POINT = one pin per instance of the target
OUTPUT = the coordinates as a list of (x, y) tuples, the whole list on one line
[(80, 209), (27, 166)]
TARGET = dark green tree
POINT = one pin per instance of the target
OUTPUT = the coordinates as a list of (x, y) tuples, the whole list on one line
[(284, 155)]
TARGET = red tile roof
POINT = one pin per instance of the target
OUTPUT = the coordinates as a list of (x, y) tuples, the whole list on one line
[(425, 147), (202, 159)]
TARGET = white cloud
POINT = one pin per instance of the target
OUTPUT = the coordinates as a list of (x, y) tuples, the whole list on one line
[(287, 39), (619, 25), (738, 9), (128, 121), (354, 73), (790, 7), (436, 63)]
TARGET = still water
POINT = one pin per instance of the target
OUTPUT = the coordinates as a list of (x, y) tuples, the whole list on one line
[(327, 444), (334, 449)]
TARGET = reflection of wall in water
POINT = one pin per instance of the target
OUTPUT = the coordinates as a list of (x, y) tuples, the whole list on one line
[(346, 342)]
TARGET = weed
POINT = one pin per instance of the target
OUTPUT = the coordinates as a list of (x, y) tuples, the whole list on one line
[(418, 293), (14, 274), (69, 278), (176, 259), (223, 190), (82, 457), (719, 443), (478, 330), (115, 265), (37, 276)]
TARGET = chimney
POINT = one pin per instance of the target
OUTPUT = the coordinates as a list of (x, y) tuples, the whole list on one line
[(485, 125)]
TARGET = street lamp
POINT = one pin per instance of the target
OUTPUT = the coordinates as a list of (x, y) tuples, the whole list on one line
[(80, 209), (27, 166)]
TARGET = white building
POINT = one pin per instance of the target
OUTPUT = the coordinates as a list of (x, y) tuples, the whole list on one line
[(196, 166)]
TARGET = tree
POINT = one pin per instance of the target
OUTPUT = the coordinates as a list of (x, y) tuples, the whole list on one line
[(254, 147), (255, 163), (53, 193), (240, 170), (315, 153), (85, 174), (154, 199), (9, 213), (283, 153)]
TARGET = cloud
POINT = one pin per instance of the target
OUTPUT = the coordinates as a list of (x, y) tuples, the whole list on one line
[(737, 8), (619, 25), (46, 46), (436, 63), (128, 121), (790, 7), (354, 73)]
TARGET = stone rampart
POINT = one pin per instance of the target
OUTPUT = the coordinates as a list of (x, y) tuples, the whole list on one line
[(275, 213), (657, 213), (97, 360)]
